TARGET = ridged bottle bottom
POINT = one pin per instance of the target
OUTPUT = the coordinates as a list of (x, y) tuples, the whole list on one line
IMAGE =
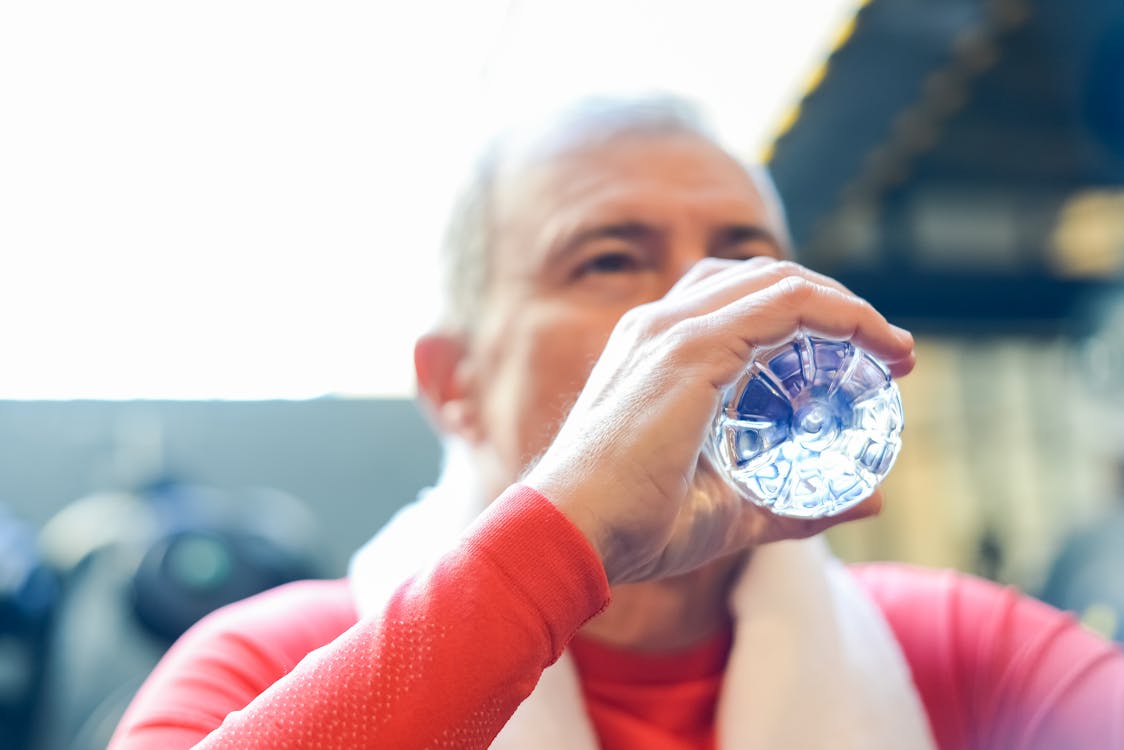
[(811, 429)]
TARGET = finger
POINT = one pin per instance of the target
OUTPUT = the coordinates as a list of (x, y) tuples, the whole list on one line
[(792, 305), (707, 268), (748, 529), (869, 507), (904, 367), (714, 285), (701, 275)]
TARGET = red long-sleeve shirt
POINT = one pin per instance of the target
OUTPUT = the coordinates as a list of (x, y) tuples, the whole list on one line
[(459, 646)]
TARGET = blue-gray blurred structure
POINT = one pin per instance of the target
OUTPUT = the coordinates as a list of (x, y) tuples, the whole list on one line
[(960, 164), (939, 167)]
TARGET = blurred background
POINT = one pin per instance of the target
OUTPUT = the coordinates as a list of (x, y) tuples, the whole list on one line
[(218, 225)]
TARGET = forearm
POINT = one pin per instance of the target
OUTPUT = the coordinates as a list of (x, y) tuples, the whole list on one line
[(450, 658)]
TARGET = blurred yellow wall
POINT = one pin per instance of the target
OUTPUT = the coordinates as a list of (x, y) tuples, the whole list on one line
[(1001, 433)]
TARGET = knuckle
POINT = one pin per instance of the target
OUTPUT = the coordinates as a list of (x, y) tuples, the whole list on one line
[(635, 318), (683, 332), (861, 305), (795, 288), (710, 263), (682, 340), (762, 261), (784, 268), (702, 269), (642, 321)]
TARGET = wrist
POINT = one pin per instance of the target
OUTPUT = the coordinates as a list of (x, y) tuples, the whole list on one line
[(580, 506)]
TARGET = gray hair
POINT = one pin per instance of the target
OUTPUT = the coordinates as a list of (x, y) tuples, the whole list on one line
[(469, 233)]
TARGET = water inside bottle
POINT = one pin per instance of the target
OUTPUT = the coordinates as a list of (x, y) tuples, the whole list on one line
[(810, 429)]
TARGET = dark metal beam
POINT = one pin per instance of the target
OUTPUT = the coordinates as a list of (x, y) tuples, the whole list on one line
[(962, 303)]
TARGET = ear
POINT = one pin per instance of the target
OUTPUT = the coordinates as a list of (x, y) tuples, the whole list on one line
[(445, 386)]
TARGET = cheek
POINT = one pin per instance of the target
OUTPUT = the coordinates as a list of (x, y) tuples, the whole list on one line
[(539, 369)]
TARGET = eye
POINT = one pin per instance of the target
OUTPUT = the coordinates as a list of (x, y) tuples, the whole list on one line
[(743, 244), (609, 263), (754, 253)]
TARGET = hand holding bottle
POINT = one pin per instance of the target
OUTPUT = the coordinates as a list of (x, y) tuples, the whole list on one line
[(625, 464)]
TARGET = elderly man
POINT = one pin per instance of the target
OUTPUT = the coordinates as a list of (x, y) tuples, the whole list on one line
[(579, 577)]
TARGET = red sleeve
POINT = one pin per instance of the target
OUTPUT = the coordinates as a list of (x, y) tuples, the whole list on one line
[(999, 669), (444, 665)]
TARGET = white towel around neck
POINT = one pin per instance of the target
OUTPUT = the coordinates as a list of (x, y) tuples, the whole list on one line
[(813, 665)]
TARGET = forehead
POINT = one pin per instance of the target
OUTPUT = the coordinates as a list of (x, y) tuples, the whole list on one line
[(640, 177)]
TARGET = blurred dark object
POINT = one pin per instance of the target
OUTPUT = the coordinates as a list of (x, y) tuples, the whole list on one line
[(138, 571), (1088, 576), (29, 595), (1103, 361), (192, 571), (1104, 97), (961, 163), (989, 553)]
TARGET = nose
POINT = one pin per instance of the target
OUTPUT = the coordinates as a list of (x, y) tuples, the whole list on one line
[(692, 269), (686, 250)]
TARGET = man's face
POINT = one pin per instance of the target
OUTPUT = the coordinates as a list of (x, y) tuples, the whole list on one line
[(581, 237)]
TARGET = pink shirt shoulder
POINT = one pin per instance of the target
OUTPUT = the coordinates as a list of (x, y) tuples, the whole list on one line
[(996, 668)]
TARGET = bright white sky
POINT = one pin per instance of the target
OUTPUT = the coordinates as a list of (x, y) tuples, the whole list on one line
[(229, 199)]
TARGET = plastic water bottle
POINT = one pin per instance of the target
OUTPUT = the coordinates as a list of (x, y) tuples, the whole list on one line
[(810, 429)]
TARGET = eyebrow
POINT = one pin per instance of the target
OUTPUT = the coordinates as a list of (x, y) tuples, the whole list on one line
[(739, 233), (636, 231), (629, 231)]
